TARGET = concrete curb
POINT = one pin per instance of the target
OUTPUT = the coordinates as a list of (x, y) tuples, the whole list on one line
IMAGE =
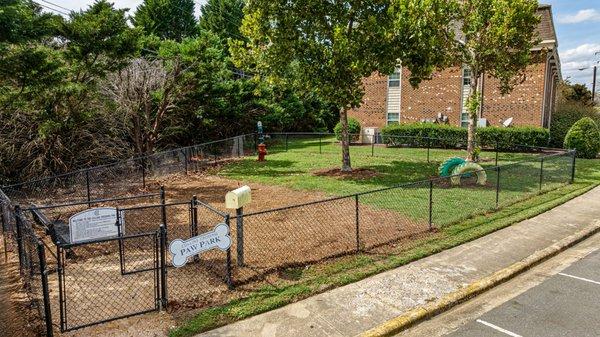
[(416, 315)]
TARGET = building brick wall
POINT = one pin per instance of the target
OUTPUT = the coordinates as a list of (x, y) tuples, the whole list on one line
[(441, 93), (372, 112), (525, 103)]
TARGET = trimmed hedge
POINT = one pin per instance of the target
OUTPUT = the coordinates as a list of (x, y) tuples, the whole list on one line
[(584, 137), (447, 136), (353, 130), (509, 138), (441, 135)]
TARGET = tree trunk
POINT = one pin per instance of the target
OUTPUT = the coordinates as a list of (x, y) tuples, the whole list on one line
[(473, 108), (346, 167)]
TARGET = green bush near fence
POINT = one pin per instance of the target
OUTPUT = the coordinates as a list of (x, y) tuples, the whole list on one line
[(568, 113), (353, 130), (584, 137), (447, 136), (509, 138)]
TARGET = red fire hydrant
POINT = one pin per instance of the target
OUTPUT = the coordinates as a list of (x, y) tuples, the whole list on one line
[(262, 152)]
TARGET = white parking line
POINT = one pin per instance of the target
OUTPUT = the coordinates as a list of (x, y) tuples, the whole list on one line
[(497, 328), (579, 278)]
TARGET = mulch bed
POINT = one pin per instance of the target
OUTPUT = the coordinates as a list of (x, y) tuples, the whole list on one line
[(357, 173)]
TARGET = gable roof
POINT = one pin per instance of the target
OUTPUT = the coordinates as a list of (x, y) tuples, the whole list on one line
[(545, 29)]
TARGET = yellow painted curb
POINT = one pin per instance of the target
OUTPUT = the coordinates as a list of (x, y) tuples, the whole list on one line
[(411, 317)]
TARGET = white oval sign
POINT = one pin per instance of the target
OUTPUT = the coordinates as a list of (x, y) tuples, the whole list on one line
[(93, 224)]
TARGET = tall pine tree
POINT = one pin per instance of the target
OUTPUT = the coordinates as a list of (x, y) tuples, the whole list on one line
[(223, 17), (167, 19)]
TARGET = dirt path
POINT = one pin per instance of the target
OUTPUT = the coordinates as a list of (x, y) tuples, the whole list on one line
[(13, 314)]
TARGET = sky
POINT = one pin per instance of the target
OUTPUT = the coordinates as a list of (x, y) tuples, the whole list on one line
[(577, 24)]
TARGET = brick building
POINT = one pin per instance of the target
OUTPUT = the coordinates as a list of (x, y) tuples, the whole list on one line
[(391, 99)]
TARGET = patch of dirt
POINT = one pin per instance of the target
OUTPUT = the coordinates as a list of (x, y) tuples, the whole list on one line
[(212, 189), (357, 173), (16, 315)]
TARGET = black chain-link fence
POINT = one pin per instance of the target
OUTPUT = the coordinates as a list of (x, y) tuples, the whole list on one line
[(132, 273), (131, 175)]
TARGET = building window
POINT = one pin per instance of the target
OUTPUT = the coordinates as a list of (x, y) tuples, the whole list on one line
[(394, 96), (394, 79), (466, 89)]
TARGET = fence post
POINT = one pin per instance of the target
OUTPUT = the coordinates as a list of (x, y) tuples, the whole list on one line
[(497, 186), (320, 149), (286, 142), (87, 183), (163, 208), (573, 155), (228, 279), (255, 139), (373, 147), (496, 153), (357, 223), (143, 172), (163, 267), (194, 215), (185, 161), (541, 172), (19, 236), (428, 148), (430, 204), (45, 292), (239, 216), (120, 235), (61, 295)]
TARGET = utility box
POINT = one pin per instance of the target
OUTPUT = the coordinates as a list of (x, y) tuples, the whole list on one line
[(369, 135), (238, 198)]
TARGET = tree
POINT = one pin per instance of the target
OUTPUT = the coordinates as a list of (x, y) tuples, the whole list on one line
[(337, 44), (575, 93), (167, 19), (150, 94), (51, 122), (223, 17), (497, 37), (23, 21)]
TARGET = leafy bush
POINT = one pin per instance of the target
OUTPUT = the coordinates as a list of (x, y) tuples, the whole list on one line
[(447, 136), (353, 130), (584, 136), (509, 138), (444, 136), (566, 114)]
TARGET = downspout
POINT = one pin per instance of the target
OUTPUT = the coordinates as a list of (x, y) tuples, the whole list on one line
[(546, 79)]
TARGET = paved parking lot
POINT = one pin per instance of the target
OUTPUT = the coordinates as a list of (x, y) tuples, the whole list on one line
[(566, 304)]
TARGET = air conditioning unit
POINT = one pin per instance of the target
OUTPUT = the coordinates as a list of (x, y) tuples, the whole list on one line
[(369, 135)]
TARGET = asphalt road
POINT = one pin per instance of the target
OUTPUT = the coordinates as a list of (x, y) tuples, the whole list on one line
[(565, 304)]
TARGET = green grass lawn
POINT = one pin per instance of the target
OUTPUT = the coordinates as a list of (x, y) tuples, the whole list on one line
[(295, 169)]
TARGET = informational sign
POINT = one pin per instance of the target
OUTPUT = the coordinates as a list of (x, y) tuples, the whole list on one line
[(94, 224), (217, 238)]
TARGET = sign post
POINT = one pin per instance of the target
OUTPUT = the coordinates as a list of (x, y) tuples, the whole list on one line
[(236, 199)]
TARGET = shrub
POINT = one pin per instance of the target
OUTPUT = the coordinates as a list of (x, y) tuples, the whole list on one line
[(447, 136), (353, 130), (509, 138), (444, 136), (566, 114), (584, 136)]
